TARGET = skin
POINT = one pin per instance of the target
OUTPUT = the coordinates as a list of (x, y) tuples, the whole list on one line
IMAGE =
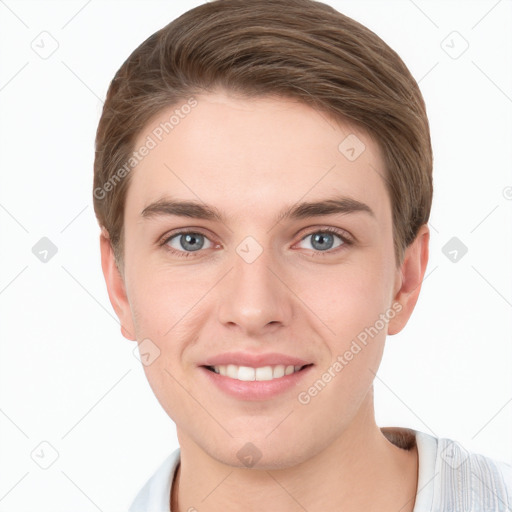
[(250, 159)]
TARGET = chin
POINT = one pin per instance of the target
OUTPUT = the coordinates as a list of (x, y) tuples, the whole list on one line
[(261, 454)]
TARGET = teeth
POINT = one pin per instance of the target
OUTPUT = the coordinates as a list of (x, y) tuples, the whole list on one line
[(231, 371), (246, 373), (264, 373), (278, 371)]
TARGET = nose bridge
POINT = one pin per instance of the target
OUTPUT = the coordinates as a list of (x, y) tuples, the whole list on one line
[(254, 297)]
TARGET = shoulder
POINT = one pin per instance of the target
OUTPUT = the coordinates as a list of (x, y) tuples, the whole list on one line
[(462, 480), (155, 495), (472, 481)]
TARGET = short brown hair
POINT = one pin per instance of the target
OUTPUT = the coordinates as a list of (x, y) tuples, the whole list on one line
[(300, 49)]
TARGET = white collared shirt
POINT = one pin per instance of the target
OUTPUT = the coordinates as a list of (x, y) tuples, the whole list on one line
[(450, 479)]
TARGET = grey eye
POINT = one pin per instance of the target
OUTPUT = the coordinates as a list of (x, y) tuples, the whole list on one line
[(322, 241), (189, 242)]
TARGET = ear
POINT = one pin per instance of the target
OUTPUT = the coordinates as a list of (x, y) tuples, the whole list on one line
[(115, 287), (409, 279)]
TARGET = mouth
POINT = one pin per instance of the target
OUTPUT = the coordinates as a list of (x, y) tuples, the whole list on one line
[(262, 373)]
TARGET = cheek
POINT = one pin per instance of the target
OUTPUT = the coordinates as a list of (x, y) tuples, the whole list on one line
[(347, 298), (163, 298), (168, 310), (352, 303)]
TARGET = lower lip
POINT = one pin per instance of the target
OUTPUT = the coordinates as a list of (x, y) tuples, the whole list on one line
[(255, 389)]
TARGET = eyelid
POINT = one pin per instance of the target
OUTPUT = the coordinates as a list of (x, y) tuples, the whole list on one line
[(347, 240), (165, 239), (344, 235), (183, 231)]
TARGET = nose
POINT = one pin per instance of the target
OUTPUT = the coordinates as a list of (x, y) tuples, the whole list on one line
[(254, 297)]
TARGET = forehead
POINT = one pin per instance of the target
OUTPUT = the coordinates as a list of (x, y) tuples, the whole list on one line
[(251, 156)]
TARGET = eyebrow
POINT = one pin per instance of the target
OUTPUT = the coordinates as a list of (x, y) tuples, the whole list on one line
[(303, 210)]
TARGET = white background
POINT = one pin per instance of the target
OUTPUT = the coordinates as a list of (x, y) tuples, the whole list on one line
[(68, 377)]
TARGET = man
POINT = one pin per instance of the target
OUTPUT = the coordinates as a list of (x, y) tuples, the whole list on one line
[(263, 180)]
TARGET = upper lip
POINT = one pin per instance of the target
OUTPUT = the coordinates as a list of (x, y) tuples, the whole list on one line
[(254, 360)]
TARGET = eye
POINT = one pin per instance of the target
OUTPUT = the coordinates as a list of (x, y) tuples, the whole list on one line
[(188, 242), (324, 240)]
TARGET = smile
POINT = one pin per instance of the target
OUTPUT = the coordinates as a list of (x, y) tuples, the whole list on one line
[(247, 373)]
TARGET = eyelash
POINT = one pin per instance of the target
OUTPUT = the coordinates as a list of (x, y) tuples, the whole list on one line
[(342, 235), (347, 241)]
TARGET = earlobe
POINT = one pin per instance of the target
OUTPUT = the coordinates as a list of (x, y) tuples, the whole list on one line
[(410, 279), (116, 287)]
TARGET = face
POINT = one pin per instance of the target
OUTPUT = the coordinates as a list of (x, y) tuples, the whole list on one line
[(258, 242)]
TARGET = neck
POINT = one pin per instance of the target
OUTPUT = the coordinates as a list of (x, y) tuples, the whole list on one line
[(360, 471)]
